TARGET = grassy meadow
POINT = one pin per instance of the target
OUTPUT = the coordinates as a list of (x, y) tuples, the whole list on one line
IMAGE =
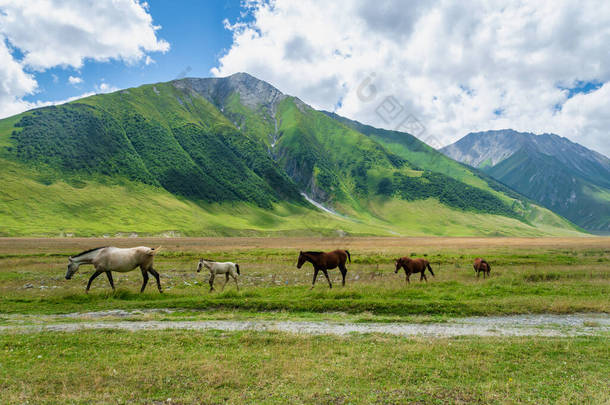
[(529, 275), (262, 368), (556, 275)]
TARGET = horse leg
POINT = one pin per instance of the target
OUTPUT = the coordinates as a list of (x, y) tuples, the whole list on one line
[(425, 278), (144, 279), (234, 278), (226, 281), (315, 275), (156, 274), (109, 274), (343, 273), (97, 273), (327, 278), (211, 282)]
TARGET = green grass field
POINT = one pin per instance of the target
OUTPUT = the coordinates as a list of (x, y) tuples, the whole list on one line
[(263, 368), (529, 275)]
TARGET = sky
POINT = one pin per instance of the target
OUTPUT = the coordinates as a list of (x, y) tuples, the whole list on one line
[(436, 68)]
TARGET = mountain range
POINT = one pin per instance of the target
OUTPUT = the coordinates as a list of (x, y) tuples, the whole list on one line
[(561, 175), (236, 156)]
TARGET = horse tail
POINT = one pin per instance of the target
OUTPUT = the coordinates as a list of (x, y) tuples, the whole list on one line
[(348, 256), (430, 269), (154, 251), (237, 268)]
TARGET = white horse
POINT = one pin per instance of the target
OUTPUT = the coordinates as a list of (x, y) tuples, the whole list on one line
[(109, 259), (226, 268)]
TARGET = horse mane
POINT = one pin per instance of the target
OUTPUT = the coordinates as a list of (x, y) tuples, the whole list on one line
[(313, 252), (88, 251), (208, 260)]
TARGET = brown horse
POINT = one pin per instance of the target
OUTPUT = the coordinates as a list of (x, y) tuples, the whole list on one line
[(412, 266), (480, 265), (325, 261)]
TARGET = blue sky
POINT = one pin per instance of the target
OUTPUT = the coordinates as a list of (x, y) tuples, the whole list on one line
[(541, 67), (197, 38)]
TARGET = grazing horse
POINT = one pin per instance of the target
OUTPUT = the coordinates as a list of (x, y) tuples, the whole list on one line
[(325, 261), (412, 266), (109, 259), (226, 268), (480, 265)]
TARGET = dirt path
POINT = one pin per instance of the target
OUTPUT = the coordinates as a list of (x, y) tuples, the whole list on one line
[(515, 325)]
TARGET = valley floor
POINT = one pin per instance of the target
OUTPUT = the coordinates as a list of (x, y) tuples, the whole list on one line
[(536, 331)]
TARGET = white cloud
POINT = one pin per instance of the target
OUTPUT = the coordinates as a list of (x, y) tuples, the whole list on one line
[(14, 83), (105, 88), (64, 33), (456, 67), (74, 80)]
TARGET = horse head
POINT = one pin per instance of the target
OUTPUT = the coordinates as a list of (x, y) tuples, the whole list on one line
[(72, 268), (302, 259), (396, 265), (199, 265)]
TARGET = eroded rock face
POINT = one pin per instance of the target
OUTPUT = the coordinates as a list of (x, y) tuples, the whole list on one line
[(492, 147), (489, 147), (253, 92)]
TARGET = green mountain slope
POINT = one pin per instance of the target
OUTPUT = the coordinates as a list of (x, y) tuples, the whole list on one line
[(333, 162), (478, 188), (538, 176), (147, 135), (233, 156), (563, 176)]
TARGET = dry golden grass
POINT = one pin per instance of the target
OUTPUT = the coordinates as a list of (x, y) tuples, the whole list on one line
[(390, 245)]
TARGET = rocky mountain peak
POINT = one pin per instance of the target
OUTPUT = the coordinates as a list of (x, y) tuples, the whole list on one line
[(253, 92)]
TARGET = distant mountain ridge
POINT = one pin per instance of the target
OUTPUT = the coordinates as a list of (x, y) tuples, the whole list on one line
[(559, 174)]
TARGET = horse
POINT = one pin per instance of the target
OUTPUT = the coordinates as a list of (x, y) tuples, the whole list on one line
[(325, 261), (108, 259), (480, 265), (226, 268), (412, 266)]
